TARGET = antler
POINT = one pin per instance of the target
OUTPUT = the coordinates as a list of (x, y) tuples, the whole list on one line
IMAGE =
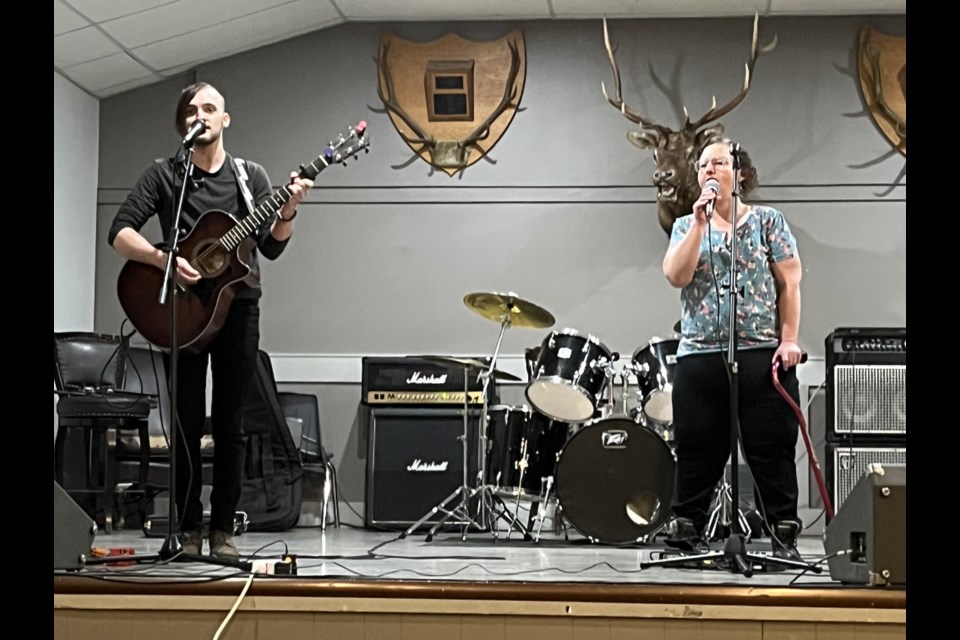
[(509, 93), (390, 102), (755, 50), (618, 102)]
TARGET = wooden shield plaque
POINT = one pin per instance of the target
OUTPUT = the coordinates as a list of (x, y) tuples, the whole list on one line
[(882, 64), (451, 99)]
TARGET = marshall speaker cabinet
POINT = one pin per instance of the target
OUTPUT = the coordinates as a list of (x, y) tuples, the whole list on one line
[(415, 460)]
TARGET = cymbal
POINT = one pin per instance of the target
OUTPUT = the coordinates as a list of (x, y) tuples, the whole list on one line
[(521, 313), (473, 363)]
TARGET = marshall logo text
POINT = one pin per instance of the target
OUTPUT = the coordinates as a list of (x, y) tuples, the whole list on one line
[(421, 466), (419, 378)]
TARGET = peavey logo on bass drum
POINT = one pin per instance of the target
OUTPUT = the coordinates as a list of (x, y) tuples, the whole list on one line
[(419, 378), (616, 439), (421, 466)]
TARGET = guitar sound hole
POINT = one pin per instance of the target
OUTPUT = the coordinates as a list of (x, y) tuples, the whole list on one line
[(211, 260)]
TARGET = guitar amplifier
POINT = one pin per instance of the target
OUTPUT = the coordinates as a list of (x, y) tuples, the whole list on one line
[(847, 465), (866, 383), (413, 381), (415, 461)]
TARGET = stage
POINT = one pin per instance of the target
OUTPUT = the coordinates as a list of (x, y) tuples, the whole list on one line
[(357, 583)]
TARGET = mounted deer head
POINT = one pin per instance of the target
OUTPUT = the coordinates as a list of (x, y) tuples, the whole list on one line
[(673, 151), (451, 156)]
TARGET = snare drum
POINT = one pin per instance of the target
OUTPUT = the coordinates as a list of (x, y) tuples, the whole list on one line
[(655, 365), (524, 451), (569, 376), (615, 481)]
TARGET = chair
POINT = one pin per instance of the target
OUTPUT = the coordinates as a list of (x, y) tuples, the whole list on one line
[(146, 373), (305, 408), (89, 372)]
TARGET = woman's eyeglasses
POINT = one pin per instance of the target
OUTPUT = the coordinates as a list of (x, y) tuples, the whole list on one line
[(716, 162)]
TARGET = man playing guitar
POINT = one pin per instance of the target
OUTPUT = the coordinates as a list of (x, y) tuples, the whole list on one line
[(218, 183)]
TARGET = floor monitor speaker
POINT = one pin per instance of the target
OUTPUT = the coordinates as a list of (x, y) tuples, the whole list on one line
[(866, 542), (73, 531)]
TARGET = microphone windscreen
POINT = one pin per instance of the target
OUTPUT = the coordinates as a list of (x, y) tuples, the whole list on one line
[(712, 184)]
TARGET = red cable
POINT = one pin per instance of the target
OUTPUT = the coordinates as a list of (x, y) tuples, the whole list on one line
[(814, 463)]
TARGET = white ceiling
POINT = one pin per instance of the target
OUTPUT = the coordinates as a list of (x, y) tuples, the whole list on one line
[(109, 46)]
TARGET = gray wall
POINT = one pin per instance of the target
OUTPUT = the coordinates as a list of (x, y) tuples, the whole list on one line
[(382, 257), (75, 123)]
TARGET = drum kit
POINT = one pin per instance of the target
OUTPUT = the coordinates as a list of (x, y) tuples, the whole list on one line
[(610, 474)]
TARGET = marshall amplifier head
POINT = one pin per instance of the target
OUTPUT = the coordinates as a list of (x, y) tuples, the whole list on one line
[(409, 380)]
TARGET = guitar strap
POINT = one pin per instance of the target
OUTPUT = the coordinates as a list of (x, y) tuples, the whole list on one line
[(253, 278), (242, 181)]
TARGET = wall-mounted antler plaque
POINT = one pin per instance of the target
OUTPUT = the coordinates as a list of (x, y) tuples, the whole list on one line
[(451, 99)]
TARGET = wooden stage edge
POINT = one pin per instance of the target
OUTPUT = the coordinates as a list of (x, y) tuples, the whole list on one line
[(877, 605)]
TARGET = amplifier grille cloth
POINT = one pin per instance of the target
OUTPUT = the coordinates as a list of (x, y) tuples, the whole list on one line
[(870, 399)]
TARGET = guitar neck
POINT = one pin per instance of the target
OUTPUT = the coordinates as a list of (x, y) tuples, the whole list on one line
[(269, 207), (344, 147)]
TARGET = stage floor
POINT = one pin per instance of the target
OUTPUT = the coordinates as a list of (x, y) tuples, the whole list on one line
[(351, 553), (356, 583)]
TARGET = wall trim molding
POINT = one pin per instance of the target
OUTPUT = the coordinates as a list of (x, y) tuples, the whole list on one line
[(348, 369)]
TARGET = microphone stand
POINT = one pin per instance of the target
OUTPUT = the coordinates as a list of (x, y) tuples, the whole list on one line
[(172, 548), (734, 556), (171, 545)]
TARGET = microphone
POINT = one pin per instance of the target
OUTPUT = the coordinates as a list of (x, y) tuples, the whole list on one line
[(198, 127), (714, 186)]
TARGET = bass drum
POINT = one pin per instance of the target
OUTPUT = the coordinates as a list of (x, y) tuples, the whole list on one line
[(615, 481)]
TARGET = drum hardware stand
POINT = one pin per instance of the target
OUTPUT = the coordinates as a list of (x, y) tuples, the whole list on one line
[(509, 310), (720, 513), (605, 412), (514, 521), (488, 502), (734, 556), (541, 516)]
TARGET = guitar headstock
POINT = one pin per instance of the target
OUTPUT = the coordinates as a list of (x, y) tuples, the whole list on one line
[(340, 149)]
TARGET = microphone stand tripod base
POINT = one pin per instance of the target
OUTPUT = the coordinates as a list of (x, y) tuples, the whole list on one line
[(734, 558)]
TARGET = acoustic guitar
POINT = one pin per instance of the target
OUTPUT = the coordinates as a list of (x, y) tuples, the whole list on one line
[(218, 247)]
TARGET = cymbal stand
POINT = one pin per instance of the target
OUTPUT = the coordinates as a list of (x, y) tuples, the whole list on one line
[(492, 507), (464, 493)]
